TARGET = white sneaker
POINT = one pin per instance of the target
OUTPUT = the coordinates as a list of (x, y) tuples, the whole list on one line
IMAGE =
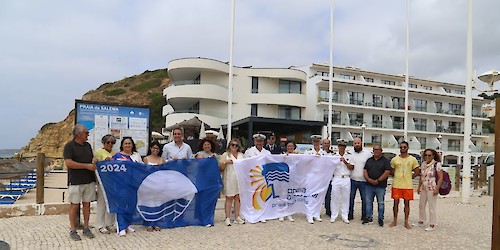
[(290, 218), (346, 221), (318, 219), (310, 220), (208, 225), (332, 220), (428, 229), (281, 218), (122, 233), (417, 224), (239, 220), (263, 221), (130, 229), (228, 222)]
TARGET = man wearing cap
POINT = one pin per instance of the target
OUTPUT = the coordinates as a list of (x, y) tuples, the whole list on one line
[(271, 145), (258, 148), (316, 150), (341, 183), (358, 182), (325, 147), (376, 171)]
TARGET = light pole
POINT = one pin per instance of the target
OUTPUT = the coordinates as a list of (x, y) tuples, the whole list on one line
[(363, 127), (491, 77)]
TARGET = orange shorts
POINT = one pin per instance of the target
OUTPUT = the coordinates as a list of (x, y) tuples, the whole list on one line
[(399, 193)]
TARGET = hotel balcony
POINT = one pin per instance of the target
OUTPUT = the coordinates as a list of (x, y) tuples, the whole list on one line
[(194, 89)]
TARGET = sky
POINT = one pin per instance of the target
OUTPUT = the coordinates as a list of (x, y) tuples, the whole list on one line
[(53, 52)]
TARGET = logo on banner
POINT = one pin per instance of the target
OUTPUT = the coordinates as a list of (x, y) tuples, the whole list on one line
[(264, 179), (164, 193)]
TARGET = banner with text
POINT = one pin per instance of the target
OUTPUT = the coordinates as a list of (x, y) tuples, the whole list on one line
[(175, 194), (274, 186)]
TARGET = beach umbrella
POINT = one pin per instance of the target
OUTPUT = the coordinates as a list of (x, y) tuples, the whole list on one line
[(221, 134), (202, 131)]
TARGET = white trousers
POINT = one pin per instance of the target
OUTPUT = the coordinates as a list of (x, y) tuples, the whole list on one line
[(341, 190), (427, 197), (103, 218)]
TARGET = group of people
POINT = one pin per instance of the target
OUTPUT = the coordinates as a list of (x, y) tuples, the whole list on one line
[(359, 170)]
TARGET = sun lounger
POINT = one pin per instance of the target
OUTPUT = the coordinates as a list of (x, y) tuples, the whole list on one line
[(14, 194)]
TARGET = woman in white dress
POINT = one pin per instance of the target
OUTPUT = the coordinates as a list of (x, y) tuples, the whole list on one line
[(231, 190)]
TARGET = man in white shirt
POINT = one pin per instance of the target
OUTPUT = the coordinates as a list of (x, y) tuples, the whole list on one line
[(341, 183), (358, 181), (316, 150), (177, 149), (258, 148)]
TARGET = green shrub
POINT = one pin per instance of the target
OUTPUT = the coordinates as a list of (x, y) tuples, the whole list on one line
[(114, 92), (161, 73), (141, 87), (105, 86)]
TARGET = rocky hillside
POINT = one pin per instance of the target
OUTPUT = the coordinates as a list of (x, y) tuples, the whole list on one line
[(143, 89)]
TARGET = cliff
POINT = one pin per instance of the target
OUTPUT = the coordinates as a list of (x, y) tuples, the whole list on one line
[(142, 89)]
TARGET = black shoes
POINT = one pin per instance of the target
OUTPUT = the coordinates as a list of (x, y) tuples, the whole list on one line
[(367, 221), (350, 216), (381, 222)]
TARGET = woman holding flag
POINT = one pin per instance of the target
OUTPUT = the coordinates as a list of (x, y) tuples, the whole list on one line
[(229, 180)]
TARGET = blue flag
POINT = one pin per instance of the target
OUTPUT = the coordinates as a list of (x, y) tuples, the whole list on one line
[(176, 194)]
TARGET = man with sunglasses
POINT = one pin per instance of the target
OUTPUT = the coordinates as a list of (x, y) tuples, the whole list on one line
[(358, 182), (258, 148), (271, 145), (405, 168), (376, 171)]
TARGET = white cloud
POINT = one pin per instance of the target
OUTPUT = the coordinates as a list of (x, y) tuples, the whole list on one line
[(53, 52)]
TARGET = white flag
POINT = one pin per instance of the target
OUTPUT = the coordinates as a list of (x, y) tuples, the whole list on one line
[(274, 186)]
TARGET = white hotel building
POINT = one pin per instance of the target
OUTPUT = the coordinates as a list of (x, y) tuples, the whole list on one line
[(293, 102)]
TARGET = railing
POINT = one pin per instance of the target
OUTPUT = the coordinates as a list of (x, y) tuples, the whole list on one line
[(209, 113), (191, 82)]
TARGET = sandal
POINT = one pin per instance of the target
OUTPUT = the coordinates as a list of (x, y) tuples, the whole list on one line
[(150, 229), (157, 228), (104, 230)]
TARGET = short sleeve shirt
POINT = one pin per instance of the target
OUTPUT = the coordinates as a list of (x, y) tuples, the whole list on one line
[(376, 168), (81, 153), (253, 151), (101, 154), (403, 171), (429, 176)]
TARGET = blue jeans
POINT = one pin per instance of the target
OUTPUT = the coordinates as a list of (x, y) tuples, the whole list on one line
[(328, 198), (371, 192), (361, 186)]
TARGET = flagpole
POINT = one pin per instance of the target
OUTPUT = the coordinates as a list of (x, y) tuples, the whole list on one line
[(230, 84), (407, 76), (468, 110), (330, 76)]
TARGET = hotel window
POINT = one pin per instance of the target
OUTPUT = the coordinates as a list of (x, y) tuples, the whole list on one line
[(387, 82), (413, 86), (420, 124), (460, 92), (255, 84), (423, 142), (195, 108), (376, 139), (456, 108), (356, 98), (368, 79), (324, 95), (347, 77), (335, 137), (454, 127), (289, 112), (453, 145), (355, 119), (427, 87), (439, 107), (447, 90), (377, 100), (398, 122), (398, 102), (335, 116), (377, 121), (421, 105), (291, 87), (439, 125), (324, 73), (253, 111)]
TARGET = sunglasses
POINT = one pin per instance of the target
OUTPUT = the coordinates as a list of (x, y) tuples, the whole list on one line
[(429, 155), (110, 142), (235, 145)]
